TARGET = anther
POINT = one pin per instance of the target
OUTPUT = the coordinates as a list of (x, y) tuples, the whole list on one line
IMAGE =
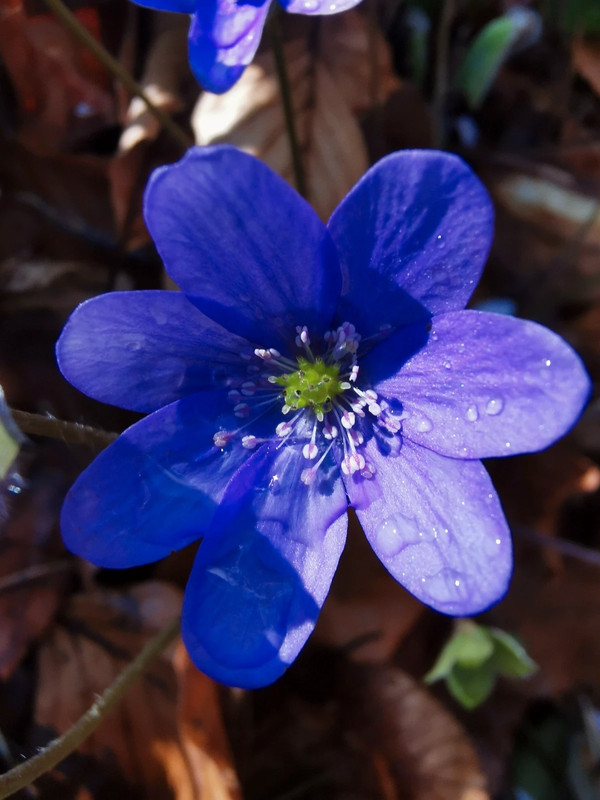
[(222, 438), (242, 410)]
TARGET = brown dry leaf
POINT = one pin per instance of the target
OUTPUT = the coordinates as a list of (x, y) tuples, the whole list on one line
[(418, 750), (331, 85), (56, 79), (557, 616), (32, 583), (585, 54), (203, 733), (138, 744), (165, 69)]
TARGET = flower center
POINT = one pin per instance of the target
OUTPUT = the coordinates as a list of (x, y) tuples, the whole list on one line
[(321, 398), (315, 385)]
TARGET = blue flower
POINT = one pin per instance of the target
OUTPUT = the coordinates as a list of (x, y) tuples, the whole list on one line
[(302, 369), (225, 34)]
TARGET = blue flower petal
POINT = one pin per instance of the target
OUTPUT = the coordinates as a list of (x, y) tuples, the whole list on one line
[(413, 236), (156, 488), (243, 246), (143, 350), (223, 39), (318, 6), (264, 570), (484, 385), (437, 525)]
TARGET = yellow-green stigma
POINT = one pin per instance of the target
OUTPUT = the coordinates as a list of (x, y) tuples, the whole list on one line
[(314, 385)]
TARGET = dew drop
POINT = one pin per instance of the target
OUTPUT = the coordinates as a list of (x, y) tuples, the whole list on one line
[(447, 365), (388, 542), (494, 407), (547, 363), (424, 425), (472, 415)]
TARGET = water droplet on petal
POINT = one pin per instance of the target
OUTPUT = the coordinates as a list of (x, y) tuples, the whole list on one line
[(447, 365), (424, 425), (494, 407), (472, 414), (388, 541), (547, 363)]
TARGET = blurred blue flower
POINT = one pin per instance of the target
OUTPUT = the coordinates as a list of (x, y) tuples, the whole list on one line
[(304, 368), (225, 34)]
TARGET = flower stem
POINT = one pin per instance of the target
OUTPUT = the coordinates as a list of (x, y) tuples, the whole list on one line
[(286, 98), (21, 776), (72, 432), (71, 22)]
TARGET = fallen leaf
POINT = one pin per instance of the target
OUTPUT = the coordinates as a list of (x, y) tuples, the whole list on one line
[(332, 83), (418, 749), (57, 81), (165, 69), (336, 730), (137, 745), (203, 733), (586, 59), (34, 575)]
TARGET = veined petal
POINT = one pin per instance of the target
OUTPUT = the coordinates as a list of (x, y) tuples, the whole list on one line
[(437, 525), (263, 571), (412, 236), (143, 350), (156, 488), (258, 261), (318, 6), (484, 385), (223, 39)]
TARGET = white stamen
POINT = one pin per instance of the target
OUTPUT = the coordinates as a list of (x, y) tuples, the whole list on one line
[(283, 429), (248, 388), (250, 442), (330, 431), (310, 451), (348, 419), (222, 438), (242, 410)]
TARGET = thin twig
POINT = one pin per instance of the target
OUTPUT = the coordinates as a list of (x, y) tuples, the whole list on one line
[(21, 776), (33, 573), (286, 99), (112, 65), (71, 432), (564, 546), (440, 88)]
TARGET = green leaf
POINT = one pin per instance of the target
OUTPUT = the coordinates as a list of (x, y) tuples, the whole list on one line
[(420, 28), (582, 16), (471, 686), (470, 646), (10, 438), (490, 49), (510, 657)]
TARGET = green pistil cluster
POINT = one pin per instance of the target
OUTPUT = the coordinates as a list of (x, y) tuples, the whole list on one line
[(314, 385)]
